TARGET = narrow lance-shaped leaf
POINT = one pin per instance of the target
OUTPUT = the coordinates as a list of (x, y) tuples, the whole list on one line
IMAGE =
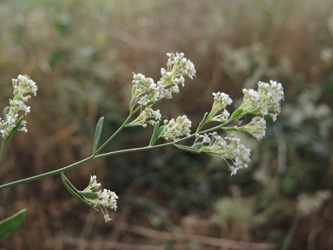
[(203, 122), (197, 145), (98, 133), (232, 129), (5, 111), (9, 225), (89, 195), (74, 192), (132, 103), (188, 149), (18, 124), (235, 114), (156, 133)]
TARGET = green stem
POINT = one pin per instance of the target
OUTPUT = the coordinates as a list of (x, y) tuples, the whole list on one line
[(1, 150), (113, 135), (156, 146), (61, 170), (117, 132), (51, 173), (2, 147)]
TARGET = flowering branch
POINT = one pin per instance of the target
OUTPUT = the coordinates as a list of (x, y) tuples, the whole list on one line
[(12, 121), (145, 94)]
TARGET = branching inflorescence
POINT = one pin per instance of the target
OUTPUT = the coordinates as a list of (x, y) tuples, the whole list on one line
[(11, 120), (145, 94)]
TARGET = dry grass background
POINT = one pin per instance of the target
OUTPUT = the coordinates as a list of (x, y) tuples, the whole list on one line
[(82, 55)]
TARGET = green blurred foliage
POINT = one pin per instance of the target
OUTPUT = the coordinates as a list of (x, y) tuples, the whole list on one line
[(82, 55)]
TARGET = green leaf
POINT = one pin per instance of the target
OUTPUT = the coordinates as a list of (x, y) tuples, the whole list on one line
[(9, 225), (18, 124), (5, 111), (74, 192), (156, 133), (188, 149), (89, 195), (230, 128), (132, 103), (197, 145), (235, 114), (149, 104), (98, 133), (203, 122)]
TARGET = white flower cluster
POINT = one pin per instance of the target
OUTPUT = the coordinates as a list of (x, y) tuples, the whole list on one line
[(181, 65), (257, 127), (221, 101), (148, 115), (229, 148), (145, 92), (93, 184), (265, 101), (148, 92), (142, 88), (105, 199), (173, 129), (23, 85)]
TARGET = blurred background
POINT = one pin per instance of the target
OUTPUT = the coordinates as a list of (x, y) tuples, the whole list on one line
[(82, 55)]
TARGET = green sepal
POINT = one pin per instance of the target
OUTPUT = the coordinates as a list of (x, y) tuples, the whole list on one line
[(10, 224), (197, 145), (89, 195), (5, 111), (235, 114), (149, 104), (132, 103), (98, 133), (230, 128), (134, 124), (156, 133), (18, 124), (74, 192), (203, 122), (188, 149)]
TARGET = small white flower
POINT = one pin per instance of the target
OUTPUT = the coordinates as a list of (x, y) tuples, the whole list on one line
[(257, 127), (148, 115), (265, 101), (23, 85), (148, 92), (230, 149), (105, 199), (218, 111), (93, 182), (175, 129)]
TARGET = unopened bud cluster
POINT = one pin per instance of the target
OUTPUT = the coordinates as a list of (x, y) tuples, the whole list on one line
[(23, 85)]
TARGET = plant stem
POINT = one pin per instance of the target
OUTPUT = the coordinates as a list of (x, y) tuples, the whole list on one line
[(113, 135), (96, 156), (1, 149), (51, 173), (117, 132)]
